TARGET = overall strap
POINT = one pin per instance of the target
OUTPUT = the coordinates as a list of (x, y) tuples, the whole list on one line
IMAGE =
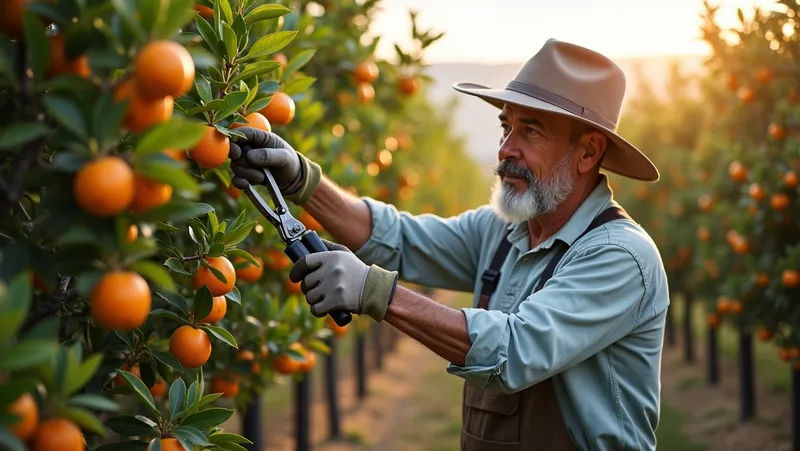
[(491, 275), (608, 215)]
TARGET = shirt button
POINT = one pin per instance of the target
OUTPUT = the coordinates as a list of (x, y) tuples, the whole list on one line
[(525, 260)]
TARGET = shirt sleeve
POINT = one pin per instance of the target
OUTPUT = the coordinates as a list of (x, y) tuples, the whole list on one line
[(425, 249), (592, 301)]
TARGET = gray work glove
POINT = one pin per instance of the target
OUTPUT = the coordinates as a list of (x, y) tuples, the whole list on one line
[(297, 176), (338, 280)]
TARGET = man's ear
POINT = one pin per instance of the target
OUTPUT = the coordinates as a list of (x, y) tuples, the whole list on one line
[(591, 148)]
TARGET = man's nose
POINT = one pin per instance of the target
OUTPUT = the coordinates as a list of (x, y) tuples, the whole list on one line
[(509, 148)]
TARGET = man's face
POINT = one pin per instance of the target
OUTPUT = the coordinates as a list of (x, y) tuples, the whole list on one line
[(536, 171)]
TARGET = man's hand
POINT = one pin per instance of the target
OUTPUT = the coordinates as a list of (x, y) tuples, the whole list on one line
[(296, 176), (338, 280)]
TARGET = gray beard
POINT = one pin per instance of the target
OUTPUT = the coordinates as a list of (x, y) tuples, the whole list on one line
[(541, 197)]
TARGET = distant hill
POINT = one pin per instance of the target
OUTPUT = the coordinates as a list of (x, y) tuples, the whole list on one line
[(477, 120)]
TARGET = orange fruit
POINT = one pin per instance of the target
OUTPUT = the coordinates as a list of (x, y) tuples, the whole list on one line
[(285, 364), (142, 113), (732, 82), (736, 307), (149, 194), (790, 179), (227, 384), (11, 17), (705, 202), (171, 444), (233, 191), (311, 360), (746, 94), (204, 276), (59, 63), (737, 171), (790, 278), (764, 334), (175, 154), (57, 433), (280, 110), (218, 310), (190, 346), (776, 131), (779, 201), (309, 221), (338, 330), (276, 260), (158, 389), (249, 272), (293, 288), (120, 301), (280, 58), (204, 11), (256, 120), (246, 355), (787, 354), (365, 92), (164, 68), (104, 187), (703, 234), (723, 305), (764, 75), (133, 233), (757, 193), (264, 353), (762, 279), (120, 380), (212, 149), (366, 72), (714, 320), (408, 85), (27, 411)]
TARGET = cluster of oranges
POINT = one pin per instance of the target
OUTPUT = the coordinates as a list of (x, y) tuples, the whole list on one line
[(43, 435)]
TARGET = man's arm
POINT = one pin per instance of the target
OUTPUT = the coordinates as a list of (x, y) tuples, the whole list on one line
[(345, 216), (440, 328)]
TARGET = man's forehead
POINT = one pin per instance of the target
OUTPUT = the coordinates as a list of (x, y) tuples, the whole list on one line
[(530, 114)]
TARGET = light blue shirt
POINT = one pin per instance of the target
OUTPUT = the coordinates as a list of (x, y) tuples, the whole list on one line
[(596, 327)]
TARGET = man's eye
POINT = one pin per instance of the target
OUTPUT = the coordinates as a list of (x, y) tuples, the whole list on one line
[(505, 127), (531, 130)]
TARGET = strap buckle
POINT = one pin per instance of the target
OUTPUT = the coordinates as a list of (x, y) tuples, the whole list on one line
[(490, 276)]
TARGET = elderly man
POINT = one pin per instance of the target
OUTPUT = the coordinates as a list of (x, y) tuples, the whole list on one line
[(562, 349)]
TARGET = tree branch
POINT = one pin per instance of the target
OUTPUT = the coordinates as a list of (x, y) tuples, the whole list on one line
[(58, 302)]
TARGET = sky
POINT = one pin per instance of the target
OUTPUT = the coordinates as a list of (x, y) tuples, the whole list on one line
[(513, 30)]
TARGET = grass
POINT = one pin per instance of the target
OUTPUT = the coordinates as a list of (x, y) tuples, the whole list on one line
[(669, 436), (768, 367)]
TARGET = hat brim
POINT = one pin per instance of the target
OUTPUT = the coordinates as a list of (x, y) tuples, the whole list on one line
[(622, 157)]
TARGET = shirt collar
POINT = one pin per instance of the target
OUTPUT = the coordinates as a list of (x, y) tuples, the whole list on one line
[(599, 199)]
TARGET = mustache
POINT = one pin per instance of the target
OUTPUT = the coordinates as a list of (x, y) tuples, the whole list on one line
[(509, 169)]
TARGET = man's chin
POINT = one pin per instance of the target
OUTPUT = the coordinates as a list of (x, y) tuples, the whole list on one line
[(511, 206)]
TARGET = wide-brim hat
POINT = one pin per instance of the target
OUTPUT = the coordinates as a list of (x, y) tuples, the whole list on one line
[(573, 81)]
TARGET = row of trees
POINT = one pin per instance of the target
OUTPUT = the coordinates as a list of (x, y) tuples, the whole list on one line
[(142, 299)]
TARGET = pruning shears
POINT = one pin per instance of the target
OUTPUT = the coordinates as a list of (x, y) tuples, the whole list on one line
[(299, 241)]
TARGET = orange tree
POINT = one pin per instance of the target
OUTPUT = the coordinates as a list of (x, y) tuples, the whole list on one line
[(137, 287)]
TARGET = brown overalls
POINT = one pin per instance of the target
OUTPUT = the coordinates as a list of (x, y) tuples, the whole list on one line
[(528, 420)]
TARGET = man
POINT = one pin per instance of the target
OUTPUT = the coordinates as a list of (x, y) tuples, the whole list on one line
[(565, 352)]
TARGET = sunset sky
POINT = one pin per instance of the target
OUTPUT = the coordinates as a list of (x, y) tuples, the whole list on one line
[(512, 30)]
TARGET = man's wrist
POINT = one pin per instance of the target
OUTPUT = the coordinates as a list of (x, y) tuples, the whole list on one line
[(309, 178), (378, 292)]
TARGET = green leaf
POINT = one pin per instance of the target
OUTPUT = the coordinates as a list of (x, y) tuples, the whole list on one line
[(67, 114), (161, 313), (266, 12), (14, 388), (83, 418), (27, 354), (221, 334), (203, 89), (208, 418), (228, 437), (126, 9), (270, 43), (141, 390), (297, 62), (178, 133), (216, 250), (177, 398), (155, 445), (175, 265), (210, 36), (225, 6), (229, 39), (128, 445), (191, 435), (128, 425), (10, 442), (193, 396), (255, 70), (178, 14), (258, 105), (233, 100), (87, 281), (208, 399), (155, 273), (37, 44), (238, 235), (234, 295), (203, 302), (47, 329), (20, 133), (298, 85), (80, 376), (107, 116), (14, 304), (175, 299), (169, 172), (176, 211), (240, 253), (96, 402), (168, 359), (213, 222)]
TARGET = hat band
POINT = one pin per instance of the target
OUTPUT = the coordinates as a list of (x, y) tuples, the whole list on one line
[(561, 102)]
